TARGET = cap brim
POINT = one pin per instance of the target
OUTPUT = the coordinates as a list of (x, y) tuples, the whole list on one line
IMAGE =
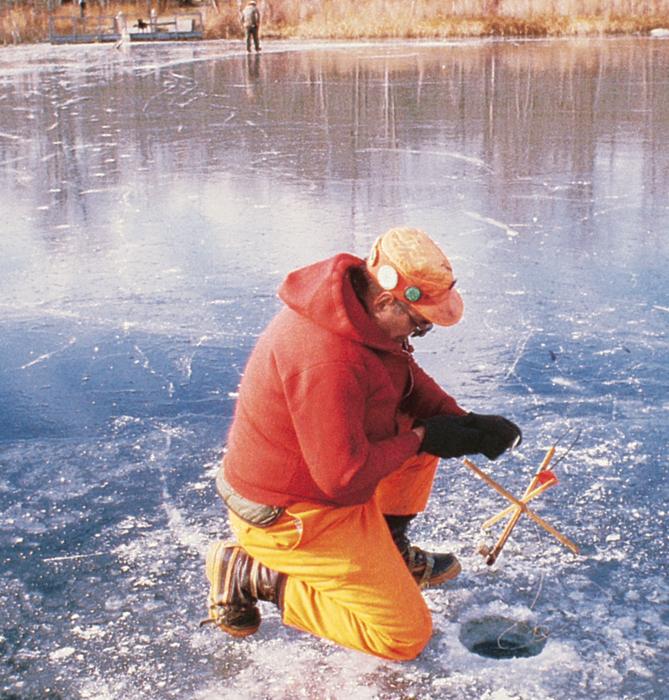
[(446, 313)]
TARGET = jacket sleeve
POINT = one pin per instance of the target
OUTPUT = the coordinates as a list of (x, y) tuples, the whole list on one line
[(327, 406), (427, 398)]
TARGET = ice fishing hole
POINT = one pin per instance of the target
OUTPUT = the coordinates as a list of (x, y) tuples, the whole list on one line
[(497, 637)]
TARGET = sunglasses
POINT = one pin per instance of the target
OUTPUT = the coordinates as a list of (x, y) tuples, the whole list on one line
[(421, 325)]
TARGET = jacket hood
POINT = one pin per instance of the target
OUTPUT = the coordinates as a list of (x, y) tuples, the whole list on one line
[(322, 292)]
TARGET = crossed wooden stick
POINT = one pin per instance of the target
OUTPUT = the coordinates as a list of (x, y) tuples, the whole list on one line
[(541, 481)]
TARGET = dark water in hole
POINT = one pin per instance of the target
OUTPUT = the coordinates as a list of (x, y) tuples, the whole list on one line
[(153, 198), (499, 637), (506, 648)]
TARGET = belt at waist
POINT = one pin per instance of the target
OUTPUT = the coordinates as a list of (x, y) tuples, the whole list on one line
[(257, 514)]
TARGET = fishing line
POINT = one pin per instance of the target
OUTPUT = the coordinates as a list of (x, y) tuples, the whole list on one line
[(571, 446), (539, 633)]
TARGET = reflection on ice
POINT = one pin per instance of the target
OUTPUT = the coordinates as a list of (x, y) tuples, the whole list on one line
[(154, 197)]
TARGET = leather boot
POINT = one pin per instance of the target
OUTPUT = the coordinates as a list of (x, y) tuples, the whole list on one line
[(237, 583), (428, 568)]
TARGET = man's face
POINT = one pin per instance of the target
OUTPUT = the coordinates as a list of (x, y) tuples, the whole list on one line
[(398, 320), (421, 325)]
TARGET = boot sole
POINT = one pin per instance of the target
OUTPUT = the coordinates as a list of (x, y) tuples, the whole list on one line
[(237, 632), (448, 575), (452, 572)]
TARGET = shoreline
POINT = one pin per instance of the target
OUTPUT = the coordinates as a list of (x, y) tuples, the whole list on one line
[(28, 25), (273, 44)]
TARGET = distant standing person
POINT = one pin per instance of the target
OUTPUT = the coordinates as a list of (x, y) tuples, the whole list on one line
[(251, 22), (82, 7)]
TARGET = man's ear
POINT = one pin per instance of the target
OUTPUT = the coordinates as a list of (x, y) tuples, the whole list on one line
[(382, 302)]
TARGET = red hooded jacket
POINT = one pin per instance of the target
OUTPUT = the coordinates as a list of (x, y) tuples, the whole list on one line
[(317, 414)]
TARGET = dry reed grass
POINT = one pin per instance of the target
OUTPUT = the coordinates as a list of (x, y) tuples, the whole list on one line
[(382, 19), (410, 19), (23, 25), (224, 24)]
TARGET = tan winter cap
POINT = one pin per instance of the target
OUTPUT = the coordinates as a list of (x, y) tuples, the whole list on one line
[(410, 265)]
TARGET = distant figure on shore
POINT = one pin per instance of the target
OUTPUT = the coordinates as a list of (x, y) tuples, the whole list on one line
[(250, 17), (82, 8)]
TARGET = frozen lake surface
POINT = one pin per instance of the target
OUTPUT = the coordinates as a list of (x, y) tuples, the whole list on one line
[(152, 199)]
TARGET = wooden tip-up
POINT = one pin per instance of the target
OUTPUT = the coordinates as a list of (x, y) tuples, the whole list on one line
[(540, 482)]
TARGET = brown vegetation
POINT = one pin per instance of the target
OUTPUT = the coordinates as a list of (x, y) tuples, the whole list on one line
[(459, 18), (375, 19), (20, 24)]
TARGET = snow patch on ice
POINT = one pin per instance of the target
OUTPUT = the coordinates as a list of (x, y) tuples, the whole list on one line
[(62, 653)]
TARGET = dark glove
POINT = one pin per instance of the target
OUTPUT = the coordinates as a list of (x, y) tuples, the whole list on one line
[(500, 432), (448, 436)]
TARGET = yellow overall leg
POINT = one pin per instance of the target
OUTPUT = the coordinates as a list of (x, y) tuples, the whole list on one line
[(346, 579), (406, 490)]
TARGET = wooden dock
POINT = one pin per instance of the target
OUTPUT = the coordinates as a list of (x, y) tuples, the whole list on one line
[(74, 29)]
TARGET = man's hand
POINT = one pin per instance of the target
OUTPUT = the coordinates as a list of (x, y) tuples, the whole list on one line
[(455, 436), (501, 434), (448, 436)]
